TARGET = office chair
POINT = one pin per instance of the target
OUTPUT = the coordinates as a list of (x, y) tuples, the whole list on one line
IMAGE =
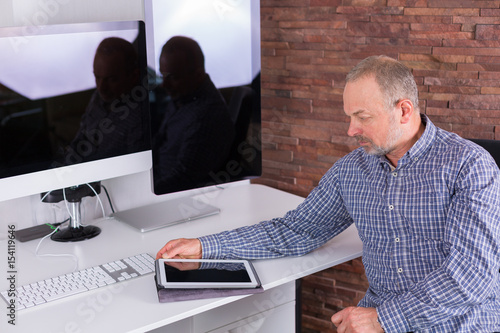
[(491, 146)]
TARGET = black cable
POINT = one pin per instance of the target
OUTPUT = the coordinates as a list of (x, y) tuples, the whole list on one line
[(59, 223), (109, 199)]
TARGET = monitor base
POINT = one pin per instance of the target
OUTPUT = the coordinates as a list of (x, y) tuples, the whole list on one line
[(71, 234)]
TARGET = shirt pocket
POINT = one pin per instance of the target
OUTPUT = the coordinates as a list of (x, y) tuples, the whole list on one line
[(424, 206)]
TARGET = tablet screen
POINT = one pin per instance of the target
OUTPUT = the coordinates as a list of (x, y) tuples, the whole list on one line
[(175, 273), (232, 272)]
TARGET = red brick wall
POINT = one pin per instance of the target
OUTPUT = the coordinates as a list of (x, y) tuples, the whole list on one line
[(308, 46)]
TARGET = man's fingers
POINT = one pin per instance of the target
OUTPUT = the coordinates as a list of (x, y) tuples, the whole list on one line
[(161, 252), (357, 319), (340, 316), (168, 250), (337, 318), (181, 248)]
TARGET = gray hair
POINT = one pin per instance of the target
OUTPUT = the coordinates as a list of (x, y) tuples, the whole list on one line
[(394, 79)]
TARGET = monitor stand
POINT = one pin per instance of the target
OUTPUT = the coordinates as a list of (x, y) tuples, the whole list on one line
[(75, 231)]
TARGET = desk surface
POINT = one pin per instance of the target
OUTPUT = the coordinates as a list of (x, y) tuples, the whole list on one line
[(133, 306)]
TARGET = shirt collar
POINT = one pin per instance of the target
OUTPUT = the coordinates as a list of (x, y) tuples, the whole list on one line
[(424, 143), (420, 147)]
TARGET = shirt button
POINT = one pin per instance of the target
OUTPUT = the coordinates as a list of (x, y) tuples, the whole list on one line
[(396, 239), (394, 174), (400, 270), (391, 207)]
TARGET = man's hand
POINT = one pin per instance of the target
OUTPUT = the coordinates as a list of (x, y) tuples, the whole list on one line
[(357, 319), (181, 248)]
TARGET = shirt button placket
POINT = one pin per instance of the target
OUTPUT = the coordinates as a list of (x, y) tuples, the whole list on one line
[(392, 181)]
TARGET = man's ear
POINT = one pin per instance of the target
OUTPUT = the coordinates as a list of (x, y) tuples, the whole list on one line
[(405, 107)]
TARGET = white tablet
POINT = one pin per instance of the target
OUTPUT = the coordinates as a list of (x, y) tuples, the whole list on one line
[(205, 273)]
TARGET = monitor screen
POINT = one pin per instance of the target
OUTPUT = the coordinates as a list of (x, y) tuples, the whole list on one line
[(71, 96), (205, 107)]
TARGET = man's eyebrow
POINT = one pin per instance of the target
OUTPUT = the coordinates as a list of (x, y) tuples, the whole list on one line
[(358, 112)]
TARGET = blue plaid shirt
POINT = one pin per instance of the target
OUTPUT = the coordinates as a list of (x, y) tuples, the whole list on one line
[(430, 230)]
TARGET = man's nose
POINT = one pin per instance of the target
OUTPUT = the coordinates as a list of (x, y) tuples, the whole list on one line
[(353, 129)]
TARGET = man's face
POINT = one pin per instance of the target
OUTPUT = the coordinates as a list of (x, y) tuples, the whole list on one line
[(377, 130), (111, 76), (178, 81)]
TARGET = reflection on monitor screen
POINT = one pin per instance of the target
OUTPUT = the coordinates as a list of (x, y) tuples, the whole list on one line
[(60, 56), (73, 105), (205, 109)]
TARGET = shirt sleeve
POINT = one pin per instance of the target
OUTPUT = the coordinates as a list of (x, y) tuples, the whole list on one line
[(469, 274), (319, 218)]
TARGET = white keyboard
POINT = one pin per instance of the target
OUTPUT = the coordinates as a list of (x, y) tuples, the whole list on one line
[(81, 281)]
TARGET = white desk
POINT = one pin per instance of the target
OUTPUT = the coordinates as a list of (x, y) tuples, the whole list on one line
[(133, 306)]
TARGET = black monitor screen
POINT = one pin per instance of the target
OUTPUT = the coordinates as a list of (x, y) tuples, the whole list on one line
[(72, 93), (205, 108)]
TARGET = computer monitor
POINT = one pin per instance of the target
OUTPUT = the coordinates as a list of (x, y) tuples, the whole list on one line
[(56, 129), (217, 151)]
